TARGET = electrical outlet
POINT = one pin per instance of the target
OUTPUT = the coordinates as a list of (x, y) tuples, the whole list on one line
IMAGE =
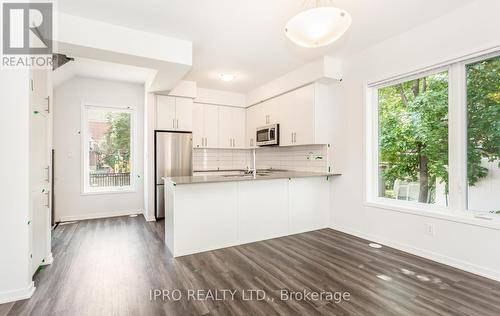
[(430, 229)]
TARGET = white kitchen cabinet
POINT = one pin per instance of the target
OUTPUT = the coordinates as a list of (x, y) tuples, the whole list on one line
[(239, 131), (211, 126), (309, 204), (231, 127), (205, 125), (165, 113), (225, 127), (40, 168), (184, 114), (297, 123), (303, 115), (251, 125), (173, 113), (226, 214), (262, 114), (198, 125)]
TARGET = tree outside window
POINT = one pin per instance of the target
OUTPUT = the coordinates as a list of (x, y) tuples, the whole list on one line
[(109, 147)]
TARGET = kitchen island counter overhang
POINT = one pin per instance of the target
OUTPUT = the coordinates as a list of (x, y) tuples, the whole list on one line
[(205, 213)]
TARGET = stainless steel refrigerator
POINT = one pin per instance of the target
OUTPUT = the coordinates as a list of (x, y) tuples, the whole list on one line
[(173, 158)]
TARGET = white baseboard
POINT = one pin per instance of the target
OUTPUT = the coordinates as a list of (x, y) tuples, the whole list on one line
[(453, 262), (81, 217), (16, 295), (48, 259)]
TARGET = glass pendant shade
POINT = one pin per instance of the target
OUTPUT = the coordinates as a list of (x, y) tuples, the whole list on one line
[(317, 27)]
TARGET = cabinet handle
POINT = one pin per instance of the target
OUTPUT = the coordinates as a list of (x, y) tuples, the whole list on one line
[(177, 123), (173, 123), (48, 174), (251, 142), (47, 205), (294, 137), (48, 104), (203, 142), (206, 142)]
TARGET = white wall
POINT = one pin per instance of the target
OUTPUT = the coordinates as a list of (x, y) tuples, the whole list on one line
[(171, 58), (70, 204), (467, 246), (220, 97), (326, 70), (15, 277)]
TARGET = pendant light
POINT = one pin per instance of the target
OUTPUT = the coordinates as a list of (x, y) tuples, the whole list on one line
[(319, 26)]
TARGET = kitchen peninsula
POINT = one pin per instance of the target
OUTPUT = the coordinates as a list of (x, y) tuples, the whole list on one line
[(210, 212)]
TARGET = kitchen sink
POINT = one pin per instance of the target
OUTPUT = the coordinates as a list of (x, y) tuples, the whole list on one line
[(264, 174)]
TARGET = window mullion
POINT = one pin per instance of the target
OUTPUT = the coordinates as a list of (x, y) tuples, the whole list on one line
[(457, 136)]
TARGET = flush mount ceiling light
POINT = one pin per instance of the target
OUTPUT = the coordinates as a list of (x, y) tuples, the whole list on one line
[(318, 27), (227, 77)]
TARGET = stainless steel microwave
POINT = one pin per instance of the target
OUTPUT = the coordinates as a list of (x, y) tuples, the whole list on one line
[(268, 135)]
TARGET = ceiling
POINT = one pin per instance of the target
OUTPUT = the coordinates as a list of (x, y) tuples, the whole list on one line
[(83, 67), (245, 37)]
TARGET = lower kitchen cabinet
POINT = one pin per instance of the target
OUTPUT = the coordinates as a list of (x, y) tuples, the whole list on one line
[(227, 214)]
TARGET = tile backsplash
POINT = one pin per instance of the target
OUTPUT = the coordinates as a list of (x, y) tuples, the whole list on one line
[(314, 158), (221, 159)]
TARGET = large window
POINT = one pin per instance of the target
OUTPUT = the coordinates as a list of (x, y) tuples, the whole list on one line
[(483, 135), (433, 139), (107, 148), (413, 139)]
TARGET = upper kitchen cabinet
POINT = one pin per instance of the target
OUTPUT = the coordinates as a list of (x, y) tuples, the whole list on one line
[(297, 126), (262, 114), (303, 115), (174, 113), (231, 127), (205, 125), (252, 122)]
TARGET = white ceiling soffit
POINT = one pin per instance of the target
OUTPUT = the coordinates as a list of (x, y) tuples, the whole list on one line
[(246, 38), (80, 37), (90, 68)]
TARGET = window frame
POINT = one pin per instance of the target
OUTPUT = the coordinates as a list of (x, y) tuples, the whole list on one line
[(457, 208), (86, 189)]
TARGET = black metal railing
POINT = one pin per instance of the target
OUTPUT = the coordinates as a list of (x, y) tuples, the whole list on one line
[(109, 179)]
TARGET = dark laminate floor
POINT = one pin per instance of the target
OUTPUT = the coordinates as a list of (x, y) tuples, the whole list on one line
[(109, 266)]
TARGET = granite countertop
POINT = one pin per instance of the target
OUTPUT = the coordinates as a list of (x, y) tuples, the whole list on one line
[(232, 178)]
